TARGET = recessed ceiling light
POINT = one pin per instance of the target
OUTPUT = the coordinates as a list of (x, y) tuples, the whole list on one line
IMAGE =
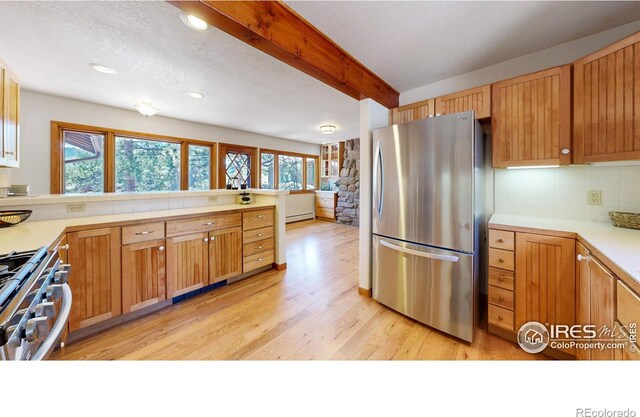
[(193, 22), (102, 68), (195, 94), (327, 129), (147, 108)]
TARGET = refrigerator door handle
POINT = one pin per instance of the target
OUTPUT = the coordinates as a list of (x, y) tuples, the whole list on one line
[(448, 258), (379, 167)]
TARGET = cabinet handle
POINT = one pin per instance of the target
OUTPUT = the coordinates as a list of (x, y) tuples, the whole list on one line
[(500, 240), (146, 232), (259, 247), (161, 248), (9, 153), (259, 234), (259, 216), (208, 223), (205, 239), (259, 259)]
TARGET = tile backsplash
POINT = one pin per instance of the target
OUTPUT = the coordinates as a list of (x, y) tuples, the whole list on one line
[(562, 192)]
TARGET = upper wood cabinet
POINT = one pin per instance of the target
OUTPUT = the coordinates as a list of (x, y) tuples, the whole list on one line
[(594, 299), (531, 119), (477, 99), (9, 118), (144, 277), (545, 287), (411, 112), (94, 256), (606, 86)]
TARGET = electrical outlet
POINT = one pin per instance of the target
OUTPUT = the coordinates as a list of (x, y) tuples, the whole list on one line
[(594, 197), (76, 208), (213, 198)]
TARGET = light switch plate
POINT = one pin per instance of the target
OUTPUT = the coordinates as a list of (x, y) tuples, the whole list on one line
[(594, 197), (76, 208)]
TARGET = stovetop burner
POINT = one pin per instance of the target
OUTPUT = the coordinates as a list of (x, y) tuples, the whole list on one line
[(11, 274)]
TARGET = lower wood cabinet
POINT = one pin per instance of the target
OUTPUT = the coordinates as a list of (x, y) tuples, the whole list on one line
[(225, 254), (595, 300), (187, 263), (94, 256), (144, 277), (545, 280)]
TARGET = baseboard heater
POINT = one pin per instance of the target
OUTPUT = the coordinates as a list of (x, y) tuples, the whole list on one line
[(299, 217)]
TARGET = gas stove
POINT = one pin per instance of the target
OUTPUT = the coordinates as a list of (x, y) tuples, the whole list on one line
[(35, 301)]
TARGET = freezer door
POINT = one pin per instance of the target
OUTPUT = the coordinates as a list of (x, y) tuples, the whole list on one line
[(423, 182), (432, 286)]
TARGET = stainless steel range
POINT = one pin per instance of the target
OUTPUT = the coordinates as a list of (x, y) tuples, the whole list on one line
[(35, 301)]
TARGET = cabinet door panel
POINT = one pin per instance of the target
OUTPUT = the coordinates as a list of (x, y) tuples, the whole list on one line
[(477, 99), (531, 119), (143, 275), (94, 256), (411, 112), (602, 305), (583, 295), (545, 280), (225, 254), (606, 103), (187, 263)]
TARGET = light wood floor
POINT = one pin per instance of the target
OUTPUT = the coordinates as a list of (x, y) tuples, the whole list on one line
[(312, 310)]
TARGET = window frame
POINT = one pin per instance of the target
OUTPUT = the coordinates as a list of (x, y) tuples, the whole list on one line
[(223, 149), (57, 153), (276, 169)]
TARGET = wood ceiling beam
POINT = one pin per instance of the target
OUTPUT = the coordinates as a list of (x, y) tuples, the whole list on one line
[(274, 28)]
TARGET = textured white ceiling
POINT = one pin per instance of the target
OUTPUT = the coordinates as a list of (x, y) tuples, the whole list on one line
[(50, 44), (411, 44)]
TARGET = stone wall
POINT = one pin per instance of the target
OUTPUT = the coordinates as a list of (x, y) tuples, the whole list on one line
[(348, 210)]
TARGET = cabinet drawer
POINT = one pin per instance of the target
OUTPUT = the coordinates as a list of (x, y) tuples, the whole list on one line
[(628, 306), (257, 219), (501, 278), (202, 224), (257, 234), (501, 240), (325, 213), (501, 297), (249, 249), (499, 258), (501, 317), (142, 232), (325, 202), (256, 261)]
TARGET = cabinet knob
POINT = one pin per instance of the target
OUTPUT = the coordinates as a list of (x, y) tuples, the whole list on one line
[(259, 247), (582, 258), (500, 299), (260, 259), (205, 239), (259, 216), (161, 248), (501, 240), (500, 318), (208, 223), (259, 234), (500, 279), (565, 151), (500, 260)]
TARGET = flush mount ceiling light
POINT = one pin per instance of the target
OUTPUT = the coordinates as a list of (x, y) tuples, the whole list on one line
[(327, 129), (147, 108), (193, 22), (195, 94), (102, 68)]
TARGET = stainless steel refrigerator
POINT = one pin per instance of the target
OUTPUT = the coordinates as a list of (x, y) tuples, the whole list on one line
[(427, 220)]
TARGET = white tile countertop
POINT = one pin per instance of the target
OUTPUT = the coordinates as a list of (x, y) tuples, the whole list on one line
[(621, 246), (32, 235)]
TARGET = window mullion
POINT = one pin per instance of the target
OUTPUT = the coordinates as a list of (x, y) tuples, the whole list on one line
[(110, 163)]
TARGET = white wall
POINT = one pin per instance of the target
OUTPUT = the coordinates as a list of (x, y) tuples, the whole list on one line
[(547, 58), (562, 192), (37, 110)]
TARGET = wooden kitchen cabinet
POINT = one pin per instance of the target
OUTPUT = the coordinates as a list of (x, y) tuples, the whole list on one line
[(144, 277), (225, 254), (531, 119), (606, 103), (594, 300), (545, 282), (477, 99), (9, 118), (94, 256), (326, 204), (412, 112), (187, 263)]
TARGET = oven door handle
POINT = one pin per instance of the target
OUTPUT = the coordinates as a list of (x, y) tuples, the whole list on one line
[(48, 345)]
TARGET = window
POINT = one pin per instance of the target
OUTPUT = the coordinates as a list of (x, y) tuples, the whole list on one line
[(237, 165), (199, 167), (83, 162), (288, 171), (88, 159)]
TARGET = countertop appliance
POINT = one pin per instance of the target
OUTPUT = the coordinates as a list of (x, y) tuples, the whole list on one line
[(35, 302), (427, 220)]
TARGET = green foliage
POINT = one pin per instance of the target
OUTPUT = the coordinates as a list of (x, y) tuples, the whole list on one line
[(290, 172), (199, 163), (146, 165)]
